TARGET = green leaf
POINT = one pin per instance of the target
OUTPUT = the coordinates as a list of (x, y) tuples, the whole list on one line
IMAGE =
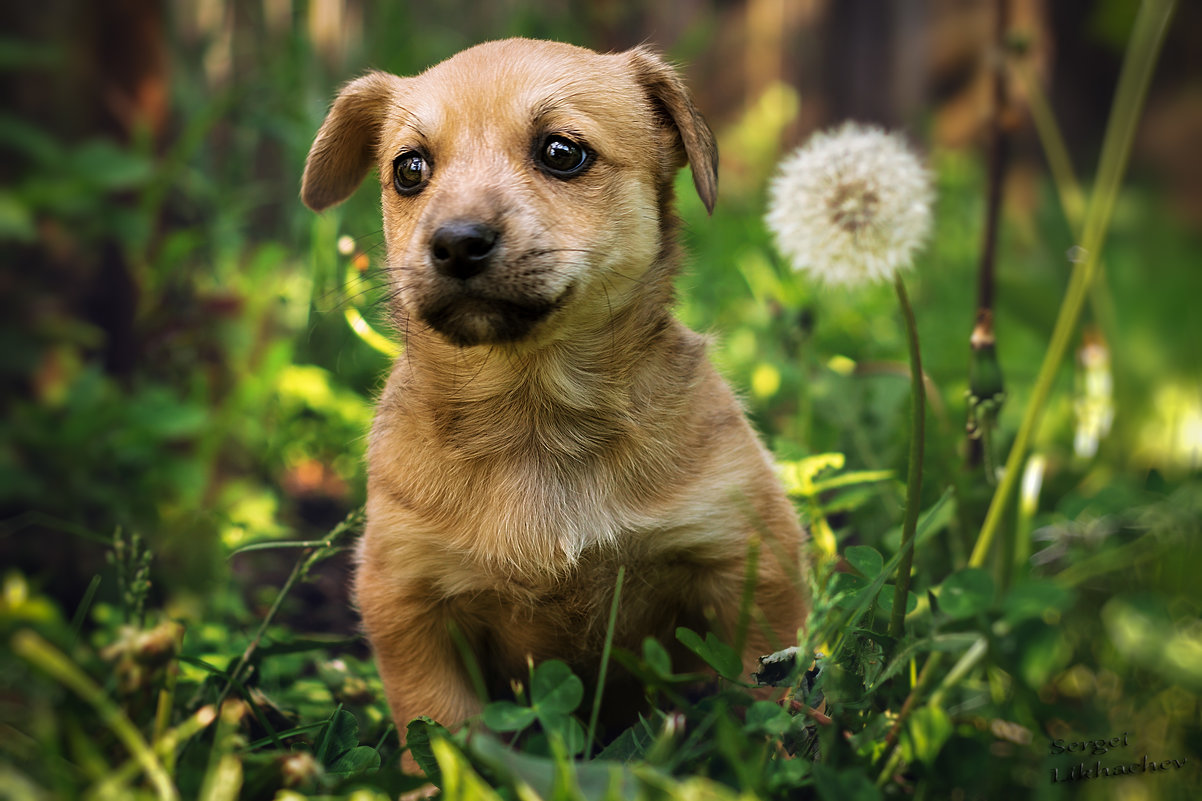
[(462, 781), (508, 716), (359, 760), (339, 737), (418, 736), (567, 728), (956, 641), (862, 600), (1032, 598), (868, 561), (930, 522), (851, 479), (160, 415), (847, 785), (966, 593), (847, 500), (924, 734), (768, 717), (717, 654), (850, 589), (108, 167), (630, 745), (1044, 652), (555, 688), (546, 775), (656, 657), (16, 220), (885, 600)]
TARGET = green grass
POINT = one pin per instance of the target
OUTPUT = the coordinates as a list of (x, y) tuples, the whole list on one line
[(174, 616)]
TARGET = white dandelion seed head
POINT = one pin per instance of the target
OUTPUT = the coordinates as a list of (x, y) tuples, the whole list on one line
[(851, 206)]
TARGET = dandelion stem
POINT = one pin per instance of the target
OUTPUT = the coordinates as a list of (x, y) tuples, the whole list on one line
[(999, 152), (986, 389), (1146, 39), (901, 587)]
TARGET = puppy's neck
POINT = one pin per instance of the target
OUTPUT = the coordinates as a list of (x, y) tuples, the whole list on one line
[(576, 392)]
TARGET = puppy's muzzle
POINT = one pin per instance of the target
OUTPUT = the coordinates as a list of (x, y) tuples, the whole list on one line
[(462, 249), (479, 291)]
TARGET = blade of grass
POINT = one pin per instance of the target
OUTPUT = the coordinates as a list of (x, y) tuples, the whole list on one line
[(1150, 28), (591, 738), (81, 611), (748, 599), (467, 657), (166, 746), (32, 648)]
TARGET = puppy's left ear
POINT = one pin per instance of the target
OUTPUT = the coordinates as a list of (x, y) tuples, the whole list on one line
[(669, 93)]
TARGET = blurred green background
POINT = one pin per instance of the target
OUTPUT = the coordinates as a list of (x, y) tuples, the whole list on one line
[(179, 360)]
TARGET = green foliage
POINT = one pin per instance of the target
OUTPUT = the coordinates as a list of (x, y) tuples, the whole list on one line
[(175, 521), (555, 693)]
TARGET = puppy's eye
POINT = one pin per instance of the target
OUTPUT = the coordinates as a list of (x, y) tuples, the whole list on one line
[(410, 171), (562, 157)]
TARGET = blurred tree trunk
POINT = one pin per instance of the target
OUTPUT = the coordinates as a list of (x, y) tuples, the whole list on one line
[(127, 40), (127, 75), (857, 55)]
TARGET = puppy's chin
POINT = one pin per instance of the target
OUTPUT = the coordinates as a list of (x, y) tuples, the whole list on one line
[(466, 320)]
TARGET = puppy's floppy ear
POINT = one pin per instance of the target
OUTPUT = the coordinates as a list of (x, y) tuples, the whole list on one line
[(345, 147), (669, 93)]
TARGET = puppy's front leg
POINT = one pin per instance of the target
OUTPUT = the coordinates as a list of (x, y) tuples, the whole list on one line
[(419, 664)]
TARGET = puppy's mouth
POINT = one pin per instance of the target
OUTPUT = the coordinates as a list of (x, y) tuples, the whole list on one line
[(466, 318)]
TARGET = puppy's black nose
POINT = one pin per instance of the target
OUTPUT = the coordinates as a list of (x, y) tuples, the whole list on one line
[(463, 248)]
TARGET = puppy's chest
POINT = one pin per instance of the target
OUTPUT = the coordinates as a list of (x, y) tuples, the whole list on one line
[(567, 616), (535, 507)]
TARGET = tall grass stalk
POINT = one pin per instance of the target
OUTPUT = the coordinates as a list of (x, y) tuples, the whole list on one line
[(605, 651), (1138, 64), (901, 587), (313, 553)]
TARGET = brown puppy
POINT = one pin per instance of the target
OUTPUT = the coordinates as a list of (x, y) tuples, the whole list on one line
[(549, 421)]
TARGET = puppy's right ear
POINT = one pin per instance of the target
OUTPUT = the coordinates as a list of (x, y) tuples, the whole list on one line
[(345, 147)]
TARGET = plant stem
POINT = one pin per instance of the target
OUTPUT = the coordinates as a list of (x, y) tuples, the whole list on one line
[(985, 378), (966, 663), (314, 552), (235, 675), (166, 747), (901, 587), (1138, 64), (999, 152), (891, 754)]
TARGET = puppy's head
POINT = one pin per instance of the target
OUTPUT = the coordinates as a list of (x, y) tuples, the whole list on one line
[(525, 185)]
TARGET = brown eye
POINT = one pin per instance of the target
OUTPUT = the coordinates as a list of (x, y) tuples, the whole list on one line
[(562, 157), (410, 171)]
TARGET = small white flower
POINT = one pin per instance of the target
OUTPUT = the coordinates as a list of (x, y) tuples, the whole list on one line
[(851, 206)]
